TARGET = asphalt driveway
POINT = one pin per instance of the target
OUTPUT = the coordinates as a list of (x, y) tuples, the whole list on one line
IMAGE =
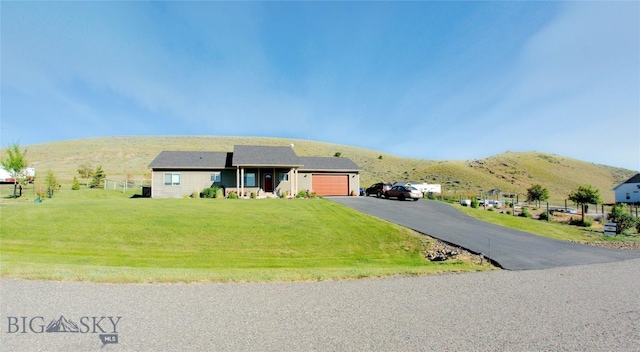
[(510, 249)]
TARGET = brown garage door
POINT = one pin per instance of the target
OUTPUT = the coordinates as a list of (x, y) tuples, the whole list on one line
[(330, 185)]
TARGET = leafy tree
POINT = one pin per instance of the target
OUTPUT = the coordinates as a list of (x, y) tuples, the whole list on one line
[(15, 163), (584, 196), (623, 220), (76, 184), (51, 182), (537, 193), (98, 178), (86, 172)]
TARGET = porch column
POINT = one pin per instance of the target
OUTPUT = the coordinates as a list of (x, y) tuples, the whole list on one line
[(293, 180), (237, 179), (241, 181)]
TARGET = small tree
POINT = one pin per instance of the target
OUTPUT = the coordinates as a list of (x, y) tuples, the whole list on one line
[(15, 163), (584, 196), (76, 184), (86, 172), (623, 220), (98, 178), (51, 182), (537, 193)]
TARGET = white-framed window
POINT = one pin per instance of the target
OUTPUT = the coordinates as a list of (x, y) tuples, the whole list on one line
[(250, 179), (284, 177), (215, 177), (171, 179)]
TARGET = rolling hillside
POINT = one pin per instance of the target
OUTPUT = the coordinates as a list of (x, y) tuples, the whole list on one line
[(511, 172)]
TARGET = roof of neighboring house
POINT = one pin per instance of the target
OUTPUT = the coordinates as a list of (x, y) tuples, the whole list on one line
[(328, 164), (191, 160), (252, 155), (633, 179)]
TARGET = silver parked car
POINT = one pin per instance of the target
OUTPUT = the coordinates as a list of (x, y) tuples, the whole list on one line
[(403, 192)]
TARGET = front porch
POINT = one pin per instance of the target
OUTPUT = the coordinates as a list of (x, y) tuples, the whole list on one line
[(266, 181)]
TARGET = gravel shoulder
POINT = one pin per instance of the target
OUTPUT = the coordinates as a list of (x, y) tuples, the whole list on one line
[(588, 307)]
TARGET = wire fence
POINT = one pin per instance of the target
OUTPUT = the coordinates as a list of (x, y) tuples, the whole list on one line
[(127, 185)]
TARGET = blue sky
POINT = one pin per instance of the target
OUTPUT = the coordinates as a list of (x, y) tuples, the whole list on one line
[(431, 80)]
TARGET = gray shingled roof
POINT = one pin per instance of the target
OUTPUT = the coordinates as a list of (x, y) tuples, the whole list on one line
[(251, 155), (328, 164), (189, 160), (633, 179), (244, 155)]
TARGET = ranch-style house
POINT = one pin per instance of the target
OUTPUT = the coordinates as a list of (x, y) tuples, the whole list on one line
[(263, 170)]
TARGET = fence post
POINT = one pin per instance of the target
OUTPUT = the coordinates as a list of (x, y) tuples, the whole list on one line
[(547, 211)]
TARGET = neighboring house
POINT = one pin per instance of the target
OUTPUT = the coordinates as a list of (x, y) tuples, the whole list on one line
[(7, 177), (629, 190), (251, 169)]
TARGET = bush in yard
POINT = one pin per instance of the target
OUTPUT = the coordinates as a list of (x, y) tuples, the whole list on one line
[(474, 203), (301, 194), (76, 184), (580, 222), (490, 209), (623, 220), (543, 216), (210, 192), (508, 212), (525, 213), (232, 195)]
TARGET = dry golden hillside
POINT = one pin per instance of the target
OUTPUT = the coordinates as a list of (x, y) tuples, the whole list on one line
[(511, 172)]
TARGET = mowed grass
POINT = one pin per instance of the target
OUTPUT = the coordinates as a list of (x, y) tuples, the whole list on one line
[(550, 229), (104, 236)]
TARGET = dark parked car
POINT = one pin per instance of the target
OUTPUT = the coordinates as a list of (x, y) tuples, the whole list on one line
[(403, 192), (378, 189)]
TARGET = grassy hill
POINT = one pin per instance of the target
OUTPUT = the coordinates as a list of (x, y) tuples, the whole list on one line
[(511, 172)]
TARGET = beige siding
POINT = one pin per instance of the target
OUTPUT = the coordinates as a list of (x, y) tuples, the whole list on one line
[(190, 182)]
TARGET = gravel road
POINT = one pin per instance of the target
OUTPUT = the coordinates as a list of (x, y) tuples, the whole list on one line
[(577, 308)]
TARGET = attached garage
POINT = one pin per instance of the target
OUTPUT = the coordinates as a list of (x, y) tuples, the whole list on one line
[(330, 185)]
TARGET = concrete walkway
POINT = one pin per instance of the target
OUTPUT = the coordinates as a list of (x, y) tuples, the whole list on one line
[(510, 249)]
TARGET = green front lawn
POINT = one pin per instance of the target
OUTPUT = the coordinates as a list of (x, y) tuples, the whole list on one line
[(104, 236)]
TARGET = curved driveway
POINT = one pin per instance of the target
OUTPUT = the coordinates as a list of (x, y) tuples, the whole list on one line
[(510, 249)]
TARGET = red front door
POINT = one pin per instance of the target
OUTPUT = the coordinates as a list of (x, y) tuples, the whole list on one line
[(268, 182)]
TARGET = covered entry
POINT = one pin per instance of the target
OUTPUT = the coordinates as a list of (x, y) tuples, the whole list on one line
[(330, 185)]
